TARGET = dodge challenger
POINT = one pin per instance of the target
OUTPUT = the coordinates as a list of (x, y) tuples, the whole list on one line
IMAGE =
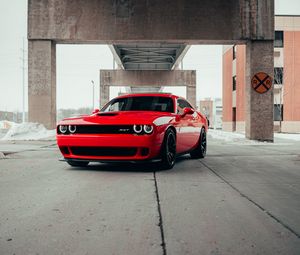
[(136, 128)]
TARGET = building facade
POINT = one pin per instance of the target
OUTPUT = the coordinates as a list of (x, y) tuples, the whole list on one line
[(212, 108), (286, 79), (11, 116)]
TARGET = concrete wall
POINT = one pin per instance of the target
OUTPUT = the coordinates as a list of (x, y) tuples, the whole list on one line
[(227, 126), (207, 107), (42, 83), (259, 107), (290, 126), (147, 78), (112, 21), (287, 23)]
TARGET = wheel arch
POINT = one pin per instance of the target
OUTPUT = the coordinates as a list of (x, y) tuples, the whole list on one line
[(172, 128)]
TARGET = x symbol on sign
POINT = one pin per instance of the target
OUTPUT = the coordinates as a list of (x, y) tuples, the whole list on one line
[(261, 82)]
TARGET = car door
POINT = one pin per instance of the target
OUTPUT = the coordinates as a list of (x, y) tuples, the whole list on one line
[(185, 127)]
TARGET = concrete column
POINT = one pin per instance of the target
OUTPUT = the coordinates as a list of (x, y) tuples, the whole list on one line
[(147, 78), (42, 82), (105, 81), (259, 107), (191, 95)]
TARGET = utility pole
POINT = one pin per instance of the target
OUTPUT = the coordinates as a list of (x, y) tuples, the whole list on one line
[(23, 89), (93, 84)]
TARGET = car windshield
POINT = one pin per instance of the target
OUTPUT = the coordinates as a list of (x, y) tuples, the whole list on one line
[(142, 103)]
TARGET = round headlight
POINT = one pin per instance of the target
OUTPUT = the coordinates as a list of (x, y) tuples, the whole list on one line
[(148, 129), (63, 129), (138, 128), (72, 129)]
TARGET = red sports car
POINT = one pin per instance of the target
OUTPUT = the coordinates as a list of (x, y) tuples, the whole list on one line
[(135, 127)]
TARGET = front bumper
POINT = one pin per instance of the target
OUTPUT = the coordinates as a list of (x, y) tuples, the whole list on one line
[(131, 147)]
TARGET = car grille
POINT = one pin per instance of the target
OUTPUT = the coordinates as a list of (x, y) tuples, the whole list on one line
[(103, 129), (104, 151)]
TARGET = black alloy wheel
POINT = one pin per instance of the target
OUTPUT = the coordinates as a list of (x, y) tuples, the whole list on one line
[(200, 150), (169, 150)]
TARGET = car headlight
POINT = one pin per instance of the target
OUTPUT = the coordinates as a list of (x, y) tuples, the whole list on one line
[(148, 129), (72, 129), (138, 129), (63, 129)]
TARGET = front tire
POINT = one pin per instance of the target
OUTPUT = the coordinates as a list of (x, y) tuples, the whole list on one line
[(77, 163), (169, 150), (200, 150)]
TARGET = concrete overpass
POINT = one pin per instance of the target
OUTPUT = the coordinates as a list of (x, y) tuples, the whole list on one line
[(149, 56), (148, 38), (141, 59)]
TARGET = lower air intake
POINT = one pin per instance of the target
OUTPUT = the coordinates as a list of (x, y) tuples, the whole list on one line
[(104, 151)]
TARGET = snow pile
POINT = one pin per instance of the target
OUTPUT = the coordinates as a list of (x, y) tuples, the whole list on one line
[(29, 131), (240, 138), (294, 137), (232, 137), (5, 124), (225, 136)]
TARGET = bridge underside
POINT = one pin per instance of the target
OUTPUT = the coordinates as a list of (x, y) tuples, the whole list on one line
[(150, 36), (148, 56), (147, 81)]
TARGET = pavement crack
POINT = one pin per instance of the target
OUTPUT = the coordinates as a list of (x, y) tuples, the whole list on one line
[(160, 224), (49, 146), (252, 201)]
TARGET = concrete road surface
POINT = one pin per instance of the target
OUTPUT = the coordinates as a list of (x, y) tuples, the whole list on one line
[(241, 199)]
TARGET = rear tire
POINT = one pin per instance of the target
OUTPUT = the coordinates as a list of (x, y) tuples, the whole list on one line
[(77, 163), (168, 150), (200, 150)]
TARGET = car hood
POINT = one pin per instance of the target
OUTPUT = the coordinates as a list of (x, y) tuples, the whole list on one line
[(119, 118)]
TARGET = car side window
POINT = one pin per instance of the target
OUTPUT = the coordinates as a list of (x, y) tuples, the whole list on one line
[(117, 106), (181, 104)]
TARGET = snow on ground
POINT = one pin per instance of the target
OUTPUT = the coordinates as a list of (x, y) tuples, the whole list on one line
[(28, 131), (234, 137), (294, 137), (231, 137), (35, 131)]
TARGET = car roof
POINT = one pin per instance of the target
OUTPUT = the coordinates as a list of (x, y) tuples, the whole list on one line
[(149, 95)]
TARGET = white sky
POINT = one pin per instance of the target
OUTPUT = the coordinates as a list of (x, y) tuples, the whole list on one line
[(77, 65)]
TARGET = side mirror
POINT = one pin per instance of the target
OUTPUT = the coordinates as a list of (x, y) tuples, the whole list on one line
[(187, 110), (96, 111)]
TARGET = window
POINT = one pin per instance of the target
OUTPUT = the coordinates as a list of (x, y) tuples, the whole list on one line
[(234, 83), (234, 52), (278, 42), (140, 103), (278, 75), (234, 119), (278, 112), (181, 104)]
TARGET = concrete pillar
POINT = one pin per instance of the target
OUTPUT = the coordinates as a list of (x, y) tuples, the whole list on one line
[(146, 78), (191, 88), (104, 88), (42, 82), (259, 107)]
